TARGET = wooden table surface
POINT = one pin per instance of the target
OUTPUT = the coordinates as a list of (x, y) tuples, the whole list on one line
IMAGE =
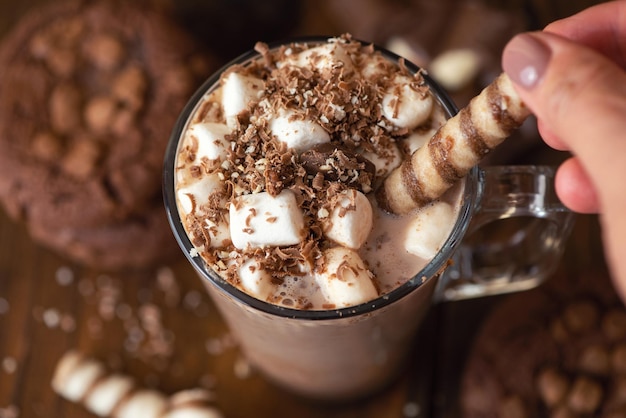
[(161, 328)]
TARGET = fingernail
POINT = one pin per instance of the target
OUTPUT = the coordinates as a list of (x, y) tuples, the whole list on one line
[(525, 59)]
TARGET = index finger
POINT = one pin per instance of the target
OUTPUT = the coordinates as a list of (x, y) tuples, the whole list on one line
[(601, 27)]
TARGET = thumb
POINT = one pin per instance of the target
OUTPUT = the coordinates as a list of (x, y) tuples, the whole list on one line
[(579, 97)]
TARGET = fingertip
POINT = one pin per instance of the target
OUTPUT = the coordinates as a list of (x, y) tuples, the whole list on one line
[(575, 189), (550, 138), (524, 59)]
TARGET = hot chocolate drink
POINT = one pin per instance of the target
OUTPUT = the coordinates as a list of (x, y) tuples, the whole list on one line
[(321, 191), (278, 165)]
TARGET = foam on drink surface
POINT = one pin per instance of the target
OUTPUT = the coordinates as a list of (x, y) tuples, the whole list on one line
[(278, 165)]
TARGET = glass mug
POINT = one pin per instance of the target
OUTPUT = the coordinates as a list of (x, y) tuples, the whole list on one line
[(339, 354)]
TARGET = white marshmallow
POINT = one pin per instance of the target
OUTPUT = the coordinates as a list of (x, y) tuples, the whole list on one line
[(65, 367), (211, 142), (144, 403), (420, 137), (404, 106), (416, 140), (218, 232), (197, 193), (84, 374), (238, 91), (427, 232), (456, 68), (377, 66), (385, 162), (255, 280), (323, 57), (193, 411), (297, 133), (108, 393), (195, 396), (350, 222), (410, 50), (344, 280), (259, 220)]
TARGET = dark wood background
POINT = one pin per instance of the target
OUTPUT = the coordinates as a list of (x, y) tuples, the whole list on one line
[(49, 305)]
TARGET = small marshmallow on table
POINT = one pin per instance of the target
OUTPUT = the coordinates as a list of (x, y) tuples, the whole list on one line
[(86, 381)]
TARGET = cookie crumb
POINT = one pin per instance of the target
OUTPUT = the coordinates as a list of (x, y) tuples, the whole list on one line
[(51, 317), (94, 327), (4, 306), (64, 276), (411, 409), (10, 411), (218, 345), (9, 364), (208, 381), (242, 368), (166, 282), (192, 300), (86, 287), (214, 346), (124, 311), (67, 323)]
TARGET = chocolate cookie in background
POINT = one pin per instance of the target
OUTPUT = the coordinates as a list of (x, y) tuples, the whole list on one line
[(556, 351), (89, 94), (458, 42)]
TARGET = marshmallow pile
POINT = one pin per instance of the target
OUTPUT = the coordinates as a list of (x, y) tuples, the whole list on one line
[(243, 195), (87, 381)]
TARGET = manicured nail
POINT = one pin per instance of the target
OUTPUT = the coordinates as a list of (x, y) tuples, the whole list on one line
[(525, 59)]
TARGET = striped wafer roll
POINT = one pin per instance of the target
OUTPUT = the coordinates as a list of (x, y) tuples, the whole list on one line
[(86, 381), (455, 148)]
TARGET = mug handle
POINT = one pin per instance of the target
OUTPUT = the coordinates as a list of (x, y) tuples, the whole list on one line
[(516, 236)]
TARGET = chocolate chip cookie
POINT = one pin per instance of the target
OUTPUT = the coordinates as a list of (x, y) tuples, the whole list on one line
[(550, 353), (89, 93)]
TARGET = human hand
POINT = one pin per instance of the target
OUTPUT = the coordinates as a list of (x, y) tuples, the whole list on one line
[(571, 75)]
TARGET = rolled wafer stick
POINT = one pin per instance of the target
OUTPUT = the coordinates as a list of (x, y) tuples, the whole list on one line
[(86, 381), (455, 148)]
